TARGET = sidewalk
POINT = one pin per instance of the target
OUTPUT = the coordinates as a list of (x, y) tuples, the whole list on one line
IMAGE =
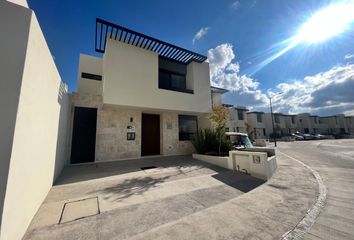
[(202, 202)]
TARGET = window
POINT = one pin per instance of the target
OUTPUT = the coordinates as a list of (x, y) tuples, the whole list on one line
[(173, 81), (240, 114), (188, 126), (259, 117), (293, 119), (91, 76), (264, 132), (276, 118)]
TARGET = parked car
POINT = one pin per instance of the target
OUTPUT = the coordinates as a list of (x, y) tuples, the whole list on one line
[(239, 140), (297, 137), (319, 136), (308, 136)]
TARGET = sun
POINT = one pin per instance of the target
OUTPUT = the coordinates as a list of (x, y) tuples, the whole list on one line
[(326, 23)]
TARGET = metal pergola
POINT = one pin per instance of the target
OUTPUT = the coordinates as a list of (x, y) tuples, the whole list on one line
[(166, 50)]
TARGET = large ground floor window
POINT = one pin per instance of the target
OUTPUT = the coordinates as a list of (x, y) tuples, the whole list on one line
[(188, 126)]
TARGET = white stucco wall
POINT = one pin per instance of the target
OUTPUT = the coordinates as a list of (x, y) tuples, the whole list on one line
[(131, 79), (39, 138), (13, 49), (92, 65)]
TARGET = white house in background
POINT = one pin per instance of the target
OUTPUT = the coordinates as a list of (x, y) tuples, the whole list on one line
[(142, 97), (237, 118), (349, 120), (336, 124), (257, 121), (279, 124), (290, 123)]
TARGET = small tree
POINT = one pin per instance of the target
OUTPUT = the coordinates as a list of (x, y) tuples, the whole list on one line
[(219, 118)]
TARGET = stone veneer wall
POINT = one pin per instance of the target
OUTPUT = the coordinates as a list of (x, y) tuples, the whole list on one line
[(112, 122), (169, 136)]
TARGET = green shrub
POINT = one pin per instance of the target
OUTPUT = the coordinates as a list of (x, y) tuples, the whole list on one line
[(206, 141)]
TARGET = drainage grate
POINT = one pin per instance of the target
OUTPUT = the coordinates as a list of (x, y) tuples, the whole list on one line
[(148, 167)]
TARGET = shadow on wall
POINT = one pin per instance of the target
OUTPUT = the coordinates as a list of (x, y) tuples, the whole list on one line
[(62, 154)]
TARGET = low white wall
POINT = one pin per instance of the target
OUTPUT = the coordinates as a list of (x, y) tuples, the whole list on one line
[(39, 139), (258, 164), (215, 160)]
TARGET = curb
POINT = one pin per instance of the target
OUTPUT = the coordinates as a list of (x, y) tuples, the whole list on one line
[(312, 213)]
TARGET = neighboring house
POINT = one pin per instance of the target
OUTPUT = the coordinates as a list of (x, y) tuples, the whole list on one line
[(279, 124), (216, 94), (305, 123), (290, 123), (336, 124), (237, 118), (143, 97), (257, 122), (349, 120)]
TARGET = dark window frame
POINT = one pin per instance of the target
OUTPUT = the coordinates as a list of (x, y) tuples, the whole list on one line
[(91, 76), (186, 136), (240, 113), (259, 117), (170, 87), (276, 118)]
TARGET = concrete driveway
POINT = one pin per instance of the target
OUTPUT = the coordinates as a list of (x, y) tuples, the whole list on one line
[(119, 200)]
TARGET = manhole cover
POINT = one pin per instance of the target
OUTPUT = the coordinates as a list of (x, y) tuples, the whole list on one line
[(79, 209)]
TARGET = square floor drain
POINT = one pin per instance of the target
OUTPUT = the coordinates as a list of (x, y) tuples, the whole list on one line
[(79, 209)]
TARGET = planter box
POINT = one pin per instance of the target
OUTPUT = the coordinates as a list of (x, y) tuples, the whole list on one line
[(258, 162)]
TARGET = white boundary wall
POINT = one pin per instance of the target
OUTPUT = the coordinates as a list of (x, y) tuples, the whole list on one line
[(35, 109)]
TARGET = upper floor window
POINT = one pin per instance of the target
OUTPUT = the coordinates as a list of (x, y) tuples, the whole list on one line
[(259, 117), (240, 114), (293, 119), (276, 118), (91, 76), (172, 76), (188, 126)]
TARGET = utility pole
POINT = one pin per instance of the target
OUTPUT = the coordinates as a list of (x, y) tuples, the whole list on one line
[(272, 115)]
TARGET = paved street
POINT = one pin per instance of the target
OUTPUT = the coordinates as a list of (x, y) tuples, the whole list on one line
[(334, 160)]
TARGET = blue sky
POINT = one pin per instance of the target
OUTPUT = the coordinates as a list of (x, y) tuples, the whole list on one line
[(235, 35)]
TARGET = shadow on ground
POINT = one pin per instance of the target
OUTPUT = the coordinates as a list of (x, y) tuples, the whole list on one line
[(84, 172), (238, 180)]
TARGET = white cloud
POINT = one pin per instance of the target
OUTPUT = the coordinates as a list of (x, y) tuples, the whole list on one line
[(325, 93), (225, 73), (328, 92), (201, 33), (349, 56), (235, 5)]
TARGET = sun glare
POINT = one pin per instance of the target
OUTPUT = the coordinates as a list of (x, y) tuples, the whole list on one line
[(326, 23)]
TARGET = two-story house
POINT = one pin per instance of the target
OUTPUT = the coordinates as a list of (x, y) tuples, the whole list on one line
[(237, 118), (143, 97), (336, 124), (258, 123)]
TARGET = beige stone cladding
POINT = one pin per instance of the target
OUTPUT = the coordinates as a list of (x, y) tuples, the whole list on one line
[(169, 136), (111, 134)]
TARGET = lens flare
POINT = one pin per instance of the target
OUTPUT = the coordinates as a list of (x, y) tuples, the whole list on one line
[(327, 23)]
